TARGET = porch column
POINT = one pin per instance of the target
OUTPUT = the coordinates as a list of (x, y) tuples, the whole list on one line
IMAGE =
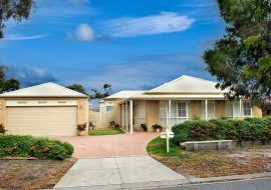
[(131, 117), (169, 113), (126, 116), (122, 116), (240, 107), (206, 109)]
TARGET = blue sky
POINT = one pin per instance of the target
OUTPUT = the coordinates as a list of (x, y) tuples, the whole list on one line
[(131, 44)]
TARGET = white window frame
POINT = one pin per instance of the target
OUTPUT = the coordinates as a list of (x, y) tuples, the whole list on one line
[(177, 110), (164, 109), (243, 109), (241, 112)]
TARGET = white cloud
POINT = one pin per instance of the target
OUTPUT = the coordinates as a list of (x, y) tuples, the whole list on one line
[(165, 22), (17, 37), (83, 32), (40, 72)]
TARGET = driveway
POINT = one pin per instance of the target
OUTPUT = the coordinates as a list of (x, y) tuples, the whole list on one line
[(119, 173), (110, 145)]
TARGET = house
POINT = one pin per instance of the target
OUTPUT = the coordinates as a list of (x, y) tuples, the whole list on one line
[(43, 110), (174, 102)]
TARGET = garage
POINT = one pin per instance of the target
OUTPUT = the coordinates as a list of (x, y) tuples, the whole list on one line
[(43, 110), (42, 120)]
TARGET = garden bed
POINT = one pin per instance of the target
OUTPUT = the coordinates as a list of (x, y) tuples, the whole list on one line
[(32, 174), (113, 131), (212, 163), (33, 147)]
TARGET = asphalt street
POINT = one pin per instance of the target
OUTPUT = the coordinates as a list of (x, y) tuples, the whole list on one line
[(255, 184)]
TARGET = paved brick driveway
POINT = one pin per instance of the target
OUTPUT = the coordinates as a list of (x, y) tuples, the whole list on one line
[(111, 145)]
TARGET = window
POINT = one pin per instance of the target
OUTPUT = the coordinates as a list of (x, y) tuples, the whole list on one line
[(233, 109), (179, 112), (109, 108), (247, 109), (181, 109)]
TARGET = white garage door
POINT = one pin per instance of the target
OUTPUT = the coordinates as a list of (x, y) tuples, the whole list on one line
[(42, 121)]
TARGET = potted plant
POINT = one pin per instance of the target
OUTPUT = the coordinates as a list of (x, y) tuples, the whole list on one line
[(82, 129), (91, 126), (157, 127), (144, 127), (2, 129), (112, 124)]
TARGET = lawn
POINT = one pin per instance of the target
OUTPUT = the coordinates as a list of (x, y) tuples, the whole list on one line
[(113, 131), (32, 174), (242, 160)]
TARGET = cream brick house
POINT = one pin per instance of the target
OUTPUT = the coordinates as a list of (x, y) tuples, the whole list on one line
[(174, 102)]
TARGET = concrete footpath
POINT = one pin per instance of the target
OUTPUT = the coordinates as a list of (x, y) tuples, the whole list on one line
[(119, 173)]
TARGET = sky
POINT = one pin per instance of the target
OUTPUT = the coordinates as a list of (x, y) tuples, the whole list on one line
[(131, 44)]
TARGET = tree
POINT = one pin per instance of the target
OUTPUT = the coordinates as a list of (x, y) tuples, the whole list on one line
[(241, 60), (6, 84), (98, 95), (17, 10), (95, 93), (78, 88), (107, 89)]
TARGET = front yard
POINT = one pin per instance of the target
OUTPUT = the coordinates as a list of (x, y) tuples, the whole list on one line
[(113, 131), (32, 174), (242, 160)]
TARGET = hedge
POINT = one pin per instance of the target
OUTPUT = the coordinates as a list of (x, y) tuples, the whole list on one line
[(249, 129), (28, 146)]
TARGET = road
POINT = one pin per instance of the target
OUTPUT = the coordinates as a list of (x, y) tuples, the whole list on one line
[(255, 184)]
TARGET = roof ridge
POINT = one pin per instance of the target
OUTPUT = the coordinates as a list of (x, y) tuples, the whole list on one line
[(200, 79), (177, 79), (167, 83), (29, 87), (49, 85), (63, 87)]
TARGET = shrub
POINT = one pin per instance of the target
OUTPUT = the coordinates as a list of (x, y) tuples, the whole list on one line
[(2, 129), (157, 126), (250, 129), (82, 127), (28, 146)]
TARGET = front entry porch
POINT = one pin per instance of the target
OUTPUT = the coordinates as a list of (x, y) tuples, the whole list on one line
[(168, 113)]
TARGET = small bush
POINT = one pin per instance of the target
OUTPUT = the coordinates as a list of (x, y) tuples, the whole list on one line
[(28, 146), (250, 129), (2, 129)]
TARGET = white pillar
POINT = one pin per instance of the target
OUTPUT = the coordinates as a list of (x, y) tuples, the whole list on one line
[(169, 113), (122, 116), (240, 107), (126, 116), (131, 117), (206, 109)]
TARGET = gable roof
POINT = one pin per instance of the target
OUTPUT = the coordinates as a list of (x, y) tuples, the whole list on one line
[(187, 84), (125, 94), (44, 90)]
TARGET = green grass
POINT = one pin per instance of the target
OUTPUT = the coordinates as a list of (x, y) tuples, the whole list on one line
[(158, 147), (105, 132)]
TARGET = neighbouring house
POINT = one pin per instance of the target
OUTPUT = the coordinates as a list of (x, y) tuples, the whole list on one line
[(43, 110), (174, 102)]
